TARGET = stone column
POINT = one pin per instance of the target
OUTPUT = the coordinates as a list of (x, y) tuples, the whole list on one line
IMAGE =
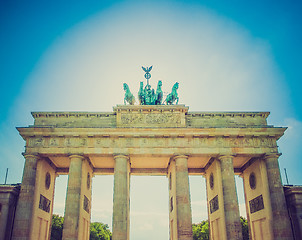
[(25, 207), (77, 206), (280, 222), (231, 209), (180, 195), (121, 198)]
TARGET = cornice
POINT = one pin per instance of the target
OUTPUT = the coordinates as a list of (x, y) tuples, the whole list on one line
[(71, 114), (149, 108), (229, 114), (273, 132)]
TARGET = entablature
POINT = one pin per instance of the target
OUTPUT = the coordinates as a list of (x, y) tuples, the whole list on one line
[(150, 136)]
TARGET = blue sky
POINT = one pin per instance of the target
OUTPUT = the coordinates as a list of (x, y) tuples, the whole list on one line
[(75, 55)]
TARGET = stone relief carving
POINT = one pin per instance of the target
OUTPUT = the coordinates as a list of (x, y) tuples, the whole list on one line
[(86, 204), (256, 204), (53, 142), (44, 203), (152, 118), (37, 142), (214, 205)]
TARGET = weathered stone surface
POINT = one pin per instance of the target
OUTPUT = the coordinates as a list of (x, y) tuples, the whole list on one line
[(121, 198), (24, 212), (293, 196), (77, 214), (179, 194), (9, 194), (231, 208), (226, 119), (151, 116), (259, 216), (280, 224), (143, 140), (33, 218)]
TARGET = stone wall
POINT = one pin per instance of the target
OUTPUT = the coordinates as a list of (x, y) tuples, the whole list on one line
[(8, 201), (293, 196)]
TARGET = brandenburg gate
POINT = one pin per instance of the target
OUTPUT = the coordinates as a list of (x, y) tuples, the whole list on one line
[(153, 139)]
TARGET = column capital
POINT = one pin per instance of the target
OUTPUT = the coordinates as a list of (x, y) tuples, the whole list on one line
[(221, 157), (272, 155), (76, 156), (115, 156), (176, 156), (28, 155)]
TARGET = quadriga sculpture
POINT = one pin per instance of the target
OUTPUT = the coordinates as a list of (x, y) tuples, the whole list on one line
[(128, 95), (148, 96)]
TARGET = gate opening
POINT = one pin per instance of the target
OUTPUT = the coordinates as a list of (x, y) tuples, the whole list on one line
[(198, 198), (149, 207), (102, 199)]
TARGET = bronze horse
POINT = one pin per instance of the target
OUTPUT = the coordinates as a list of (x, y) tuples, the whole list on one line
[(128, 95), (173, 96)]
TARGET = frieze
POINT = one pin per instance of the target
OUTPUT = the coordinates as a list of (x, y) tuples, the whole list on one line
[(75, 142), (36, 142), (152, 141), (53, 142), (150, 118)]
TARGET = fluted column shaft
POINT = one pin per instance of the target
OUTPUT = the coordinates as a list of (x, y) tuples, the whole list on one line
[(121, 198), (24, 213), (231, 209), (73, 199), (183, 201), (280, 222)]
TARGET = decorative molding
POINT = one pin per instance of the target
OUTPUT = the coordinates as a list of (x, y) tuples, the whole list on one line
[(229, 114), (70, 114), (149, 141), (151, 108)]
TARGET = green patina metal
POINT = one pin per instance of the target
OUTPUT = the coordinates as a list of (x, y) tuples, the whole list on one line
[(173, 96), (148, 96), (128, 95)]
